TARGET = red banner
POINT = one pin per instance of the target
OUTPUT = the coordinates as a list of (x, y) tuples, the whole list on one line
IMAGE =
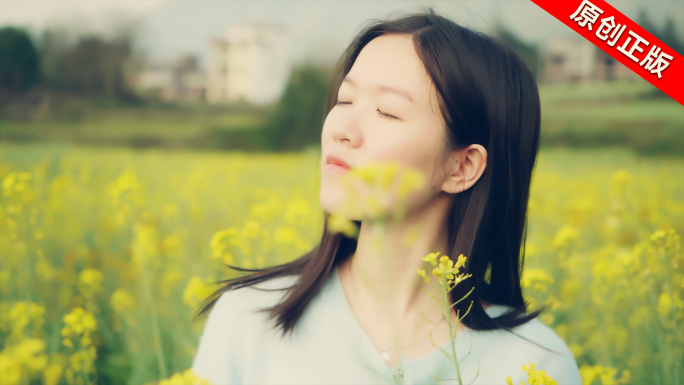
[(624, 40)]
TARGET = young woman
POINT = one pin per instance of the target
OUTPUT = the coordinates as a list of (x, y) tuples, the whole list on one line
[(464, 110)]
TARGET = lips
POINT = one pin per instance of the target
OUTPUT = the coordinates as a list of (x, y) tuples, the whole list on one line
[(337, 161), (335, 165)]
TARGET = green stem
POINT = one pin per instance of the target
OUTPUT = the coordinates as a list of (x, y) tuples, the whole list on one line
[(451, 334), (663, 335), (673, 310), (161, 361), (84, 373)]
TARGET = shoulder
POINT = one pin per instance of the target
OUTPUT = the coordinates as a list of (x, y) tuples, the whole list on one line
[(558, 361), (236, 305), (535, 342), (234, 319)]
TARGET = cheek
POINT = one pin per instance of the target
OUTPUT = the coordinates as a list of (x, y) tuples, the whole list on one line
[(408, 145), (420, 157), (422, 196), (411, 151)]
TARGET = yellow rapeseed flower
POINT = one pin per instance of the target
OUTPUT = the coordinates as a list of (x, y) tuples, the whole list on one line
[(89, 281), (605, 374), (537, 279), (564, 236), (621, 181), (411, 181), (287, 235), (77, 323), (188, 377), (121, 301), (536, 377), (23, 314), (629, 270), (421, 272), (445, 268), (16, 183), (145, 245), (370, 190), (52, 374), (251, 230), (460, 262), (10, 369), (31, 353), (125, 184), (219, 245), (25, 359), (339, 224), (196, 292), (432, 258)]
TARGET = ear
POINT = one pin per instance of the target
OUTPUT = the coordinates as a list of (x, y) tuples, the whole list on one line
[(467, 165)]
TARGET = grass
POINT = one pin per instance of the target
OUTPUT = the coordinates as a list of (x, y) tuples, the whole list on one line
[(630, 114)]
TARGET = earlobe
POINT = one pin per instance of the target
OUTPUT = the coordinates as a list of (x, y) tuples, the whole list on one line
[(455, 183)]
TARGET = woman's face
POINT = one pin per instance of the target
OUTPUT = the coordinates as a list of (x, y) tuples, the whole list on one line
[(387, 111)]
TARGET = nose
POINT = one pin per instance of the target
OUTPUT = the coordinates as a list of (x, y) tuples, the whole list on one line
[(348, 127)]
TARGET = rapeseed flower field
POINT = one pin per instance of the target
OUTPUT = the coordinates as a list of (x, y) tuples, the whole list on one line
[(106, 254)]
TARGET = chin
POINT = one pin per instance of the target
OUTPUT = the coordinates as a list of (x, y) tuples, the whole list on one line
[(329, 200), (331, 197)]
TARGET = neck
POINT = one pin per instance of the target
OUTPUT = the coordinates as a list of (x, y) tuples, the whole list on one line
[(387, 275)]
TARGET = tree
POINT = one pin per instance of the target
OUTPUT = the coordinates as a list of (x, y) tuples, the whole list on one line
[(297, 119), (668, 34), (95, 67), (19, 60), (92, 66), (527, 52)]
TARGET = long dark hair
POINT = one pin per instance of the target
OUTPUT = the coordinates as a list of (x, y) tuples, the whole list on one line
[(488, 96)]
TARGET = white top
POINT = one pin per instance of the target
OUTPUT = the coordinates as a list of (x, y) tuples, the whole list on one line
[(328, 346)]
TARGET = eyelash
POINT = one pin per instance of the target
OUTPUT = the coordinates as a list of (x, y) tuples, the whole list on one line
[(390, 117)]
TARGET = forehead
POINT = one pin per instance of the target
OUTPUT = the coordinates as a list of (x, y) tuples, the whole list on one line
[(392, 61)]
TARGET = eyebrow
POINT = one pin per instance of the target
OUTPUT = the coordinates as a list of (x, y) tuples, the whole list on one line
[(393, 90)]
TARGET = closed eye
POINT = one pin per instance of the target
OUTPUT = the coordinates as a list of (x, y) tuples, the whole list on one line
[(386, 116)]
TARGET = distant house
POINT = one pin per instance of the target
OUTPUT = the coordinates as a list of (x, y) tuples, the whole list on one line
[(248, 63), (573, 58), (183, 81)]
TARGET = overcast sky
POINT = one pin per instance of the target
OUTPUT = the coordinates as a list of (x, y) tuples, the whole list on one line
[(319, 29)]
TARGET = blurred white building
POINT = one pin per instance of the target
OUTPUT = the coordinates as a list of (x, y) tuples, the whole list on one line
[(249, 63), (182, 81), (574, 58), (569, 58)]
